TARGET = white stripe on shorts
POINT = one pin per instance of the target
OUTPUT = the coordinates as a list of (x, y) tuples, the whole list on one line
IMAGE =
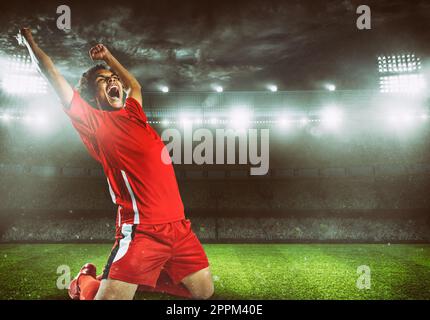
[(126, 230)]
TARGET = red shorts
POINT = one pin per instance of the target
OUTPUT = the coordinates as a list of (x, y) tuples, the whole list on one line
[(144, 250)]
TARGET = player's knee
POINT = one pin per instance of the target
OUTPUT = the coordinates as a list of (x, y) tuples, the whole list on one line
[(102, 297), (115, 290), (205, 292), (112, 296), (108, 295)]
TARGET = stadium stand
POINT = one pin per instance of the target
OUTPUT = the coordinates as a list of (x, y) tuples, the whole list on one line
[(366, 183)]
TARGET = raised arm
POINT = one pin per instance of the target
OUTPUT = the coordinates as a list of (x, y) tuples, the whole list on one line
[(130, 83), (46, 67)]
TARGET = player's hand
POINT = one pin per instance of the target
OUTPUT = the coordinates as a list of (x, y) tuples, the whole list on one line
[(24, 37), (99, 52)]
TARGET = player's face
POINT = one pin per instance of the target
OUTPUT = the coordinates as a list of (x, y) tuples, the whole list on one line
[(109, 90)]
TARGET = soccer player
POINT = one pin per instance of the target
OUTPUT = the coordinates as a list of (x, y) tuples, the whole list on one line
[(155, 248)]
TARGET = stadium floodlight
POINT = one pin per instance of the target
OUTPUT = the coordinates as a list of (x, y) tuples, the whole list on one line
[(22, 78), (219, 89), (330, 87), (401, 63), (165, 122), (164, 89), (283, 122), (240, 118), (408, 118), (331, 117), (28, 119), (24, 84), (304, 121), (393, 119), (20, 64), (5, 117), (213, 121), (198, 121), (272, 87), (40, 120), (406, 83), (400, 74), (185, 121), (401, 119)]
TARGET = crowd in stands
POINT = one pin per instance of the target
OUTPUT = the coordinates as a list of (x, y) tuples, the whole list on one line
[(246, 229)]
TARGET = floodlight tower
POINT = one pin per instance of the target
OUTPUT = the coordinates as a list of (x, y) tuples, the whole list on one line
[(21, 77), (400, 74)]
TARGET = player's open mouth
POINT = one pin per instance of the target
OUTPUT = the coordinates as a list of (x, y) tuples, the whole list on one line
[(113, 92)]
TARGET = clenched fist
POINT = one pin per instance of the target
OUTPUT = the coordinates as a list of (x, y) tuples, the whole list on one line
[(24, 36), (99, 52)]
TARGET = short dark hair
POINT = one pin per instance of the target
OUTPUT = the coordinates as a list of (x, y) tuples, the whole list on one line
[(86, 86)]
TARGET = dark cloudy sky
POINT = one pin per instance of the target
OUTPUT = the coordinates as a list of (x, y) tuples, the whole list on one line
[(241, 45)]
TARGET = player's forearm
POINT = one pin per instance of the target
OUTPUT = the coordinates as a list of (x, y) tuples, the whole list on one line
[(42, 61), (128, 80), (46, 67)]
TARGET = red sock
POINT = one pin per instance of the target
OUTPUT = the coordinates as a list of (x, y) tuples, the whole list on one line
[(88, 287), (166, 285)]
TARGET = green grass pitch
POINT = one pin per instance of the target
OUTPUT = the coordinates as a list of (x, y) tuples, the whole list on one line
[(243, 271)]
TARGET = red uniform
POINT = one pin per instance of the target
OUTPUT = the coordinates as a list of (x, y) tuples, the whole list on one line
[(152, 232)]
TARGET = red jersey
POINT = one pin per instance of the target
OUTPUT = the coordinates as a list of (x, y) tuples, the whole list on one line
[(135, 161)]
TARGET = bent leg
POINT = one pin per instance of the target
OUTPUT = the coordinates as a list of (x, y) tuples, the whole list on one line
[(189, 264), (116, 290), (200, 284), (166, 285)]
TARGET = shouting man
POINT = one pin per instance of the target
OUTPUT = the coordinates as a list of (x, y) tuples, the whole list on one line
[(155, 248)]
